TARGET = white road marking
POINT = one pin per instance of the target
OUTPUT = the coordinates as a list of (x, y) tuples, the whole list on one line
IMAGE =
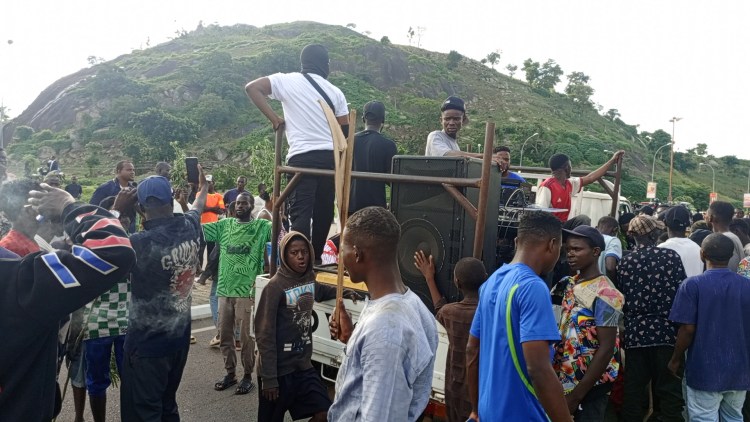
[(200, 330)]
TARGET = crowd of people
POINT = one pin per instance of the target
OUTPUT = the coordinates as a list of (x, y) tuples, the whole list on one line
[(644, 314)]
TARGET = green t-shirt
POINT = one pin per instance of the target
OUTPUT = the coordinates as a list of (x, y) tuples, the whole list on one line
[(242, 247)]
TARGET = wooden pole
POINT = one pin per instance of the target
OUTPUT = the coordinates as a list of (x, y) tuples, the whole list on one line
[(484, 190), (343, 154), (276, 212)]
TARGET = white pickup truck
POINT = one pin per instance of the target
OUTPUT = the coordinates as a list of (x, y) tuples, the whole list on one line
[(328, 353)]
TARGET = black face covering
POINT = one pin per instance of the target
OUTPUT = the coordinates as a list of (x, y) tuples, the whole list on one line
[(314, 59)]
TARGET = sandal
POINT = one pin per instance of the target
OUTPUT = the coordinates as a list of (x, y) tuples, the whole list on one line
[(246, 386), (226, 382)]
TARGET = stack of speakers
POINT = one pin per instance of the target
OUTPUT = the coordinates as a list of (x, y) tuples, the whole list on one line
[(433, 222)]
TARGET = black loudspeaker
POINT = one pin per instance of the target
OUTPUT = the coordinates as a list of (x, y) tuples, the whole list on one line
[(432, 221)]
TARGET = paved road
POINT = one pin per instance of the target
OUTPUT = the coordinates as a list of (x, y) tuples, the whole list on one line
[(196, 397)]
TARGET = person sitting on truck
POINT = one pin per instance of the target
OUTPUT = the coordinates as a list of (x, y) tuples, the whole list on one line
[(286, 377), (509, 372), (502, 154), (456, 318), (587, 359), (444, 143), (387, 370), (556, 192)]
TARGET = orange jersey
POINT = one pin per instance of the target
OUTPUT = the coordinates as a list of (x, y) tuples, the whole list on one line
[(213, 200)]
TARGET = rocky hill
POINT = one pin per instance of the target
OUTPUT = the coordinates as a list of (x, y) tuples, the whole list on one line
[(186, 96)]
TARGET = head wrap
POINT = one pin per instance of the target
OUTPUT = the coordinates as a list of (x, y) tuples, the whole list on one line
[(314, 59)]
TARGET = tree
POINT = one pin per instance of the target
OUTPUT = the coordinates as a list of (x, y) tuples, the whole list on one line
[(578, 88), (4, 114), (93, 152), (410, 34), (612, 114), (351, 25), (493, 58), (454, 58), (385, 40), (701, 149), (549, 75), (44, 135), (161, 128), (658, 139), (511, 69), (531, 69), (23, 133)]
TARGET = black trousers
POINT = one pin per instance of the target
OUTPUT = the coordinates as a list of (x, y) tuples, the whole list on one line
[(649, 364), (149, 387), (311, 203)]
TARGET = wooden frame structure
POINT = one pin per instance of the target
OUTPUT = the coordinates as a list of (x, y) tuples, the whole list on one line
[(450, 184)]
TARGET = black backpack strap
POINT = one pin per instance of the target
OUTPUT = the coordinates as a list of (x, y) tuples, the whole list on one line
[(320, 91)]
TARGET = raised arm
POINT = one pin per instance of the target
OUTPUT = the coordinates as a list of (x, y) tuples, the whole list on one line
[(200, 200), (601, 171), (258, 91), (63, 281)]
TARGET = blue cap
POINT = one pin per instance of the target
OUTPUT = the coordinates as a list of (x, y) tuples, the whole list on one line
[(156, 187)]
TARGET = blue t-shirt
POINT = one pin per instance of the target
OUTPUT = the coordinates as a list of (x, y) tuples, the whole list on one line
[(717, 302), (502, 393), (513, 176)]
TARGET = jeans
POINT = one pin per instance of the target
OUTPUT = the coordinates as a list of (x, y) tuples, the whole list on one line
[(709, 406), (313, 198), (649, 364), (239, 309), (98, 355), (594, 405)]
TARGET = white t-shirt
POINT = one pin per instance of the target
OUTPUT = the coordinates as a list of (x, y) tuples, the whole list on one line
[(689, 252), (613, 248), (306, 125), (739, 251), (388, 362), (439, 144)]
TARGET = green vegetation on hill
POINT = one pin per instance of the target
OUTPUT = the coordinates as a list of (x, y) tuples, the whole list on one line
[(186, 96)]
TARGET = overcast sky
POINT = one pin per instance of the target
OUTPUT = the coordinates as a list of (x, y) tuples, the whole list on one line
[(651, 60)]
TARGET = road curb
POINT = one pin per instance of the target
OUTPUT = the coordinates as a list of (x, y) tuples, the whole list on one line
[(200, 312)]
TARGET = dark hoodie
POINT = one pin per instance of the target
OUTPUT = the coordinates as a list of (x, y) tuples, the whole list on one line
[(284, 319)]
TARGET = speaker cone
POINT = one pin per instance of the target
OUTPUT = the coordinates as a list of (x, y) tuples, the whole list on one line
[(419, 235)]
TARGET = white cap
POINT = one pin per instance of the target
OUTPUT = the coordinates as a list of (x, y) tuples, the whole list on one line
[(209, 178)]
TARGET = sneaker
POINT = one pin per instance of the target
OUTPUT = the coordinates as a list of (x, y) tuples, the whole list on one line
[(214, 342), (192, 340)]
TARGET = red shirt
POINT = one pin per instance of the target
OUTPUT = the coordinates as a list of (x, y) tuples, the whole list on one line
[(18, 243), (560, 195)]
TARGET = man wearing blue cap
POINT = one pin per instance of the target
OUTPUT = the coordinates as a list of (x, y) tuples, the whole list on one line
[(373, 153), (158, 337), (308, 134)]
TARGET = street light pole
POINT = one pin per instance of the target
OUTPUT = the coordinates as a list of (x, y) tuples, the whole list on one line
[(520, 162), (671, 158), (713, 183), (653, 166)]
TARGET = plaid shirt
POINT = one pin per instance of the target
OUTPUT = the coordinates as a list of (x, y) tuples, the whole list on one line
[(107, 315)]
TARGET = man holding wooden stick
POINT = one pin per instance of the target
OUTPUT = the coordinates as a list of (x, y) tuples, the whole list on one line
[(310, 143)]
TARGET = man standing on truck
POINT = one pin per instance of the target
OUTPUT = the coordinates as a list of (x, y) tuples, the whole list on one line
[(309, 137), (514, 379), (386, 374), (556, 192)]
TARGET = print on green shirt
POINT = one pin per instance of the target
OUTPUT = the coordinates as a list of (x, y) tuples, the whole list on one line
[(242, 247)]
